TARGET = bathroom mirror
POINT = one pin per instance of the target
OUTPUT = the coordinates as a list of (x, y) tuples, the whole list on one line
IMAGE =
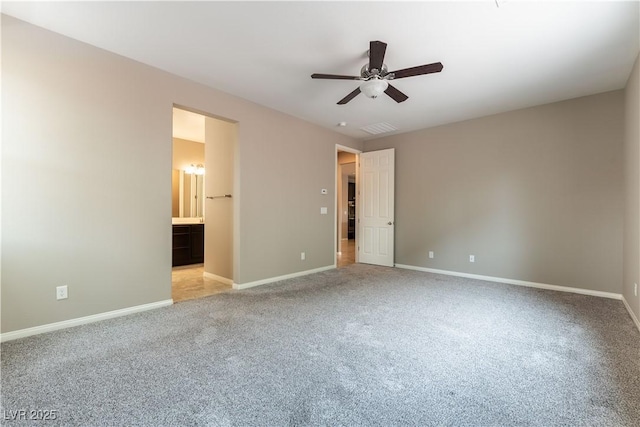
[(187, 194)]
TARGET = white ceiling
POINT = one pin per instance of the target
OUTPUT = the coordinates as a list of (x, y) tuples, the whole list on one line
[(495, 58)]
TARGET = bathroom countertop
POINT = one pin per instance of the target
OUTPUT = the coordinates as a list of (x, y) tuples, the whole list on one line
[(180, 221)]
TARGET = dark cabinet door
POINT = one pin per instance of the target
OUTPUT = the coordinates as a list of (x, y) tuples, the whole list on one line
[(188, 244), (181, 251), (197, 243)]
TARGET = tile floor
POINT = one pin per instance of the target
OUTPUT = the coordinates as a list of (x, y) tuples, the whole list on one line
[(188, 283)]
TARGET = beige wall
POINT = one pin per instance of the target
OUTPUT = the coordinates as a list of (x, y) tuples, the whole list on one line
[(175, 193), (66, 119), (186, 153), (534, 194), (221, 141), (632, 189)]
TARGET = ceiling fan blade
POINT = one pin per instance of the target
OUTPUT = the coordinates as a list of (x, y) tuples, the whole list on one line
[(334, 77), (377, 50), (349, 97), (395, 94), (436, 67)]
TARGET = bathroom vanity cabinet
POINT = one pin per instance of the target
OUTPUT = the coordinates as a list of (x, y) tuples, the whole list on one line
[(188, 244)]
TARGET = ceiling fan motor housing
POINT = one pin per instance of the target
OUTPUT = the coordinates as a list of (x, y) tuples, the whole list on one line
[(365, 73)]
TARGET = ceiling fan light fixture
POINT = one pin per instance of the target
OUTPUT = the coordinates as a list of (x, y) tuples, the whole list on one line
[(374, 87)]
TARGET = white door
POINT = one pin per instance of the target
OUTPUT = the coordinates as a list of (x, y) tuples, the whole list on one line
[(376, 223)]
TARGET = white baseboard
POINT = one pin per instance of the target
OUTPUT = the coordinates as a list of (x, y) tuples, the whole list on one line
[(516, 282), (279, 278), (631, 313), (218, 278), (8, 336)]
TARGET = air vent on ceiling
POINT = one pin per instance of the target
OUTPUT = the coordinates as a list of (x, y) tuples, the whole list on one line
[(378, 128)]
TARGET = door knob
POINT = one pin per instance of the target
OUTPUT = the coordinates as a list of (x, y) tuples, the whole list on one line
[(389, 223)]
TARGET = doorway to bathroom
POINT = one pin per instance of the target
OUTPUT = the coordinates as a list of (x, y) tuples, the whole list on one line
[(202, 204)]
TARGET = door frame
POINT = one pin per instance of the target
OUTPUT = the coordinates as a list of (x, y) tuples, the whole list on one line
[(336, 212), (235, 195)]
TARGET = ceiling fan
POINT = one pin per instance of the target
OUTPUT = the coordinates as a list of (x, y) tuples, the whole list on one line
[(376, 77)]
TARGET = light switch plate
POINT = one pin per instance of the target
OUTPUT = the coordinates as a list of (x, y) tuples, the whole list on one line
[(323, 191), (323, 210)]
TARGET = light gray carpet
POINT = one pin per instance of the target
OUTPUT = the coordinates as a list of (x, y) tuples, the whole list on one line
[(357, 346)]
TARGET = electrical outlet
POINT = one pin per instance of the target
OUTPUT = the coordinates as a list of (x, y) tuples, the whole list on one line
[(472, 258), (303, 256), (61, 292), (635, 289), (430, 254)]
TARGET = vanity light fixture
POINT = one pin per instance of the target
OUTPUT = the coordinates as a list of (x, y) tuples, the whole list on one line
[(195, 169)]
